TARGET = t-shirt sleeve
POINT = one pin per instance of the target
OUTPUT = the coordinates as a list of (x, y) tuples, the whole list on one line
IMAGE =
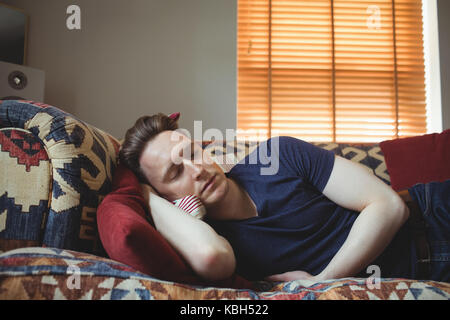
[(308, 161)]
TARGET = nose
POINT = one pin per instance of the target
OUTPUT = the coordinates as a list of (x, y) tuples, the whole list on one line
[(197, 169)]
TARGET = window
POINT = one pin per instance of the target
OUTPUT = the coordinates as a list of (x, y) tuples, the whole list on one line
[(331, 70)]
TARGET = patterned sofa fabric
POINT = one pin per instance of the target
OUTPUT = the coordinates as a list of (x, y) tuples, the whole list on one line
[(23, 161), (62, 166), (48, 273)]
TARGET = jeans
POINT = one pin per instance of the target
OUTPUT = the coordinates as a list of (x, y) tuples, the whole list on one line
[(434, 201)]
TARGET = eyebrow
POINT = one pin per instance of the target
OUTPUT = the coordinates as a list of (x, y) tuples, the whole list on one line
[(171, 165)]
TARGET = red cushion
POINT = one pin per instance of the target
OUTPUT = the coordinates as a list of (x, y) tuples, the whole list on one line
[(418, 159), (129, 238)]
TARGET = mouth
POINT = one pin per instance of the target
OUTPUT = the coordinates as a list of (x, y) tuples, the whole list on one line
[(209, 183)]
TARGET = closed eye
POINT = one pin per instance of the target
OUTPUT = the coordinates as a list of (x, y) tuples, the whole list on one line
[(177, 172)]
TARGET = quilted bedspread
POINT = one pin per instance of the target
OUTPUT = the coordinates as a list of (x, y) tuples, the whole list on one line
[(48, 273)]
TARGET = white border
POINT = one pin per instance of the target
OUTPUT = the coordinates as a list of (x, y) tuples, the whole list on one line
[(432, 66)]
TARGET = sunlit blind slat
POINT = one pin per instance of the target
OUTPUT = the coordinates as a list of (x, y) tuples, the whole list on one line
[(349, 71), (411, 73), (253, 66)]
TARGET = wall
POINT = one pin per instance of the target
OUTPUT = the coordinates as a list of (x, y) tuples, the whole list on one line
[(138, 57), (444, 52)]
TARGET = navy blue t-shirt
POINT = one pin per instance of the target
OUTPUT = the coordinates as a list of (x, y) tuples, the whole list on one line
[(297, 227)]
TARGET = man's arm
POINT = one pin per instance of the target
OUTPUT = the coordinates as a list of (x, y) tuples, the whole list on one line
[(209, 254), (382, 213)]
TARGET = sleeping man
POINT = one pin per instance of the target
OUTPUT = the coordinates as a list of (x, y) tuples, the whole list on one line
[(318, 217)]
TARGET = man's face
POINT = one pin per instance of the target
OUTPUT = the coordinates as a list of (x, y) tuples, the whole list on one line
[(176, 167)]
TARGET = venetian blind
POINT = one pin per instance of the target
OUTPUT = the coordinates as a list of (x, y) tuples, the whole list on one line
[(331, 70)]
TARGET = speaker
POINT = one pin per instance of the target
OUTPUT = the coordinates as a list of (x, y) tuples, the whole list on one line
[(21, 82)]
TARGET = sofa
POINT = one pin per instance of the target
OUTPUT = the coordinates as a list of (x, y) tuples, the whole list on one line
[(57, 170)]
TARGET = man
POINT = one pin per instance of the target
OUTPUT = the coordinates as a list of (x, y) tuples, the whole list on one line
[(318, 217)]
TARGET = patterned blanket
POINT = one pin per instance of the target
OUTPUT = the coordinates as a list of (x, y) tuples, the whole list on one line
[(48, 273)]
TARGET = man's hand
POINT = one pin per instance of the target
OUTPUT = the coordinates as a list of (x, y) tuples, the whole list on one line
[(290, 276)]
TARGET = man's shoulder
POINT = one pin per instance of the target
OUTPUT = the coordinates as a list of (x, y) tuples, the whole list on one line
[(255, 153), (282, 142)]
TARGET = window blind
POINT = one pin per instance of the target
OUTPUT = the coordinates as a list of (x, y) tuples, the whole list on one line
[(331, 70)]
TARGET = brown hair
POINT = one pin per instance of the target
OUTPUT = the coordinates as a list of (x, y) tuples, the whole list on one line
[(137, 137)]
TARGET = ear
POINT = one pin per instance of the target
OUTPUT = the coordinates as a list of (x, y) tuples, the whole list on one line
[(174, 116)]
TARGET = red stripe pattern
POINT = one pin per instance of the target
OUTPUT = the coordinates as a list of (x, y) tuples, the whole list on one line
[(192, 205)]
